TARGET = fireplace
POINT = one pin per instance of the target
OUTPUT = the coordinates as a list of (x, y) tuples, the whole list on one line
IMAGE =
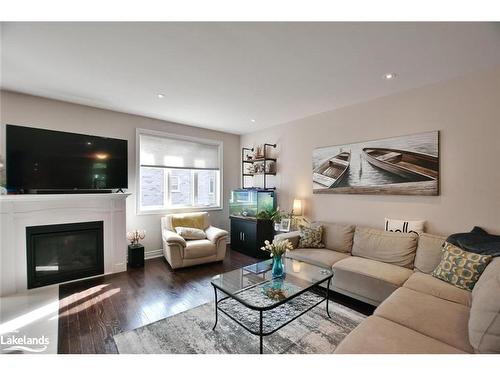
[(64, 252)]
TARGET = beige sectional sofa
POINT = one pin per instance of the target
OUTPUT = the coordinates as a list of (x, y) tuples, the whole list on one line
[(416, 312)]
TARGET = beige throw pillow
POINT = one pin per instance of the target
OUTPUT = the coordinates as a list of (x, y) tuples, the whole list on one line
[(388, 247), (429, 250), (337, 237), (191, 233)]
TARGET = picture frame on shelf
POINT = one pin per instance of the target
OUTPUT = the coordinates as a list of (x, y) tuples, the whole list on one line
[(285, 225)]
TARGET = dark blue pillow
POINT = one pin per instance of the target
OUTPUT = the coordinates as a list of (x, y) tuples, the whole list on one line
[(477, 241)]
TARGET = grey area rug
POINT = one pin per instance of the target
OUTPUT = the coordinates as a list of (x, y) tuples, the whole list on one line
[(191, 332)]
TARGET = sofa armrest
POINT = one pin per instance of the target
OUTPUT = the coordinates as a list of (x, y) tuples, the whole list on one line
[(215, 234), (293, 237), (172, 238)]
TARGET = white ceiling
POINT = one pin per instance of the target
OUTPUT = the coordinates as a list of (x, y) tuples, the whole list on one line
[(221, 75)]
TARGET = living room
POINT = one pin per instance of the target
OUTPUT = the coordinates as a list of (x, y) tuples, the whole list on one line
[(250, 188)]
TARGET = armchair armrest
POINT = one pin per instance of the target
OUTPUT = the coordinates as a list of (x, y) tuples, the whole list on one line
[(172, 238), (293, 237), (215, 234)]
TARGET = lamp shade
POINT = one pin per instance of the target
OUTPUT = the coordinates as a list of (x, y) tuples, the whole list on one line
[(297, 207)]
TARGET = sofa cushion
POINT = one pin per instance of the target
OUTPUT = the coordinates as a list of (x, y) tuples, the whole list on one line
[(199, 249), (389, 247), (459, 267), (191, 233), (370, 279), (293, 237), (311, 236), (191, 220), (484, 322), (431, 316), (318, 257), (404, 226), (338, 237), (429, 251), (424, 283), (381, 336)]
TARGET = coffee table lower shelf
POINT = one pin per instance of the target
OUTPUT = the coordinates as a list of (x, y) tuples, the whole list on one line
[(265, 322)]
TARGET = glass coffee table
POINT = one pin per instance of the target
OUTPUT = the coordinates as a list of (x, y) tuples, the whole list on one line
[(262, 305)]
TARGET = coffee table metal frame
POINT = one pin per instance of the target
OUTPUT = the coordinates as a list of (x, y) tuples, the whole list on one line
[(260, 332)]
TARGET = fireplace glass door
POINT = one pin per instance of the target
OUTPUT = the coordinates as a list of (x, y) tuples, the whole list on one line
[(63, 252)]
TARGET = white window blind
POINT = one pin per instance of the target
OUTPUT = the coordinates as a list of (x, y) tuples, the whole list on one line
[(176, 153), (177, 173)]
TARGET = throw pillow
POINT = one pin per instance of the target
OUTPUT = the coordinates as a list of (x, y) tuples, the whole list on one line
[(191, 233), (311, 236), (477, 241), (404, 226), (459, 267)]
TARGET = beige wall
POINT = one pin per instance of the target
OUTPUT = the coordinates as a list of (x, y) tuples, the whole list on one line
[(19, 109), (465, 110)]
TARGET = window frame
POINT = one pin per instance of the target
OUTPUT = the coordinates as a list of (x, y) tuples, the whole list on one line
[(219, 189)]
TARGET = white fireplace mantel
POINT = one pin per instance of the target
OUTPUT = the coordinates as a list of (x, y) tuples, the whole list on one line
[(20, 211)]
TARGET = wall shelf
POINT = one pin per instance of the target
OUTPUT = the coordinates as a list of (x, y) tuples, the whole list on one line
[(265, 160)]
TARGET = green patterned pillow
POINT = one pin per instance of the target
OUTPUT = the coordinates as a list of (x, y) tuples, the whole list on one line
[(311, 237), (459, 267)]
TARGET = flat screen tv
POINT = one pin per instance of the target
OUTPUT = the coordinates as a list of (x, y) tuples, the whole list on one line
[(40, 160)]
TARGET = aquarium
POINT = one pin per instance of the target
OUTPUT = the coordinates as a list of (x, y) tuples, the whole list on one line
[(248, 202)]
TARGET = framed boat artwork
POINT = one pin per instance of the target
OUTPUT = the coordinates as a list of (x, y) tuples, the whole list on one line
[(406, 165)]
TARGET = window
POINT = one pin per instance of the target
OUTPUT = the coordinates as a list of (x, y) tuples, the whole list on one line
[(211, 185), (174, 184), (177, 172)]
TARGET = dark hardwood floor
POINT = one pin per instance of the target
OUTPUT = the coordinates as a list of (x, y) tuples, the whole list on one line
[(92, 311)]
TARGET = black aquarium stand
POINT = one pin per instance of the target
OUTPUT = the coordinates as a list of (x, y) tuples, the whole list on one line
[(248, 235), (136, 255)]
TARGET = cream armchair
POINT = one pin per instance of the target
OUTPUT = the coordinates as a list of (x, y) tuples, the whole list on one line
[(184, 253)]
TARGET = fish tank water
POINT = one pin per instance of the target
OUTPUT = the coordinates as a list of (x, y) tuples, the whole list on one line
[(248, 202)]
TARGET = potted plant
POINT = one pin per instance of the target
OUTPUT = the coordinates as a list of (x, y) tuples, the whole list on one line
[(274, 215)]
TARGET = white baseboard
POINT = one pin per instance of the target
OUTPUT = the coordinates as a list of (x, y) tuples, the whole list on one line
[(153, 254)]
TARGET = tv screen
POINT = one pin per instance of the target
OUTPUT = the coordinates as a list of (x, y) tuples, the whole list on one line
[(39, 159)]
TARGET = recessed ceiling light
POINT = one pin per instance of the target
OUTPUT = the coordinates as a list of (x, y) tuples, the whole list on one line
[(389, 76), (160, 96), (252, 120)]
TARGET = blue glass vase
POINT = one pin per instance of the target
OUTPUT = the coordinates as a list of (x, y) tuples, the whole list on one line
[(278, 269)]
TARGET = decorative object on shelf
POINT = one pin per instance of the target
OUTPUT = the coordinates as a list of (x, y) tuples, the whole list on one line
[(270, 167), (249, 169), (407, 165), (275, 290), (285, 224), (135, 236), (259, 151), (277, 249), (258, 168), (278, 216)]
